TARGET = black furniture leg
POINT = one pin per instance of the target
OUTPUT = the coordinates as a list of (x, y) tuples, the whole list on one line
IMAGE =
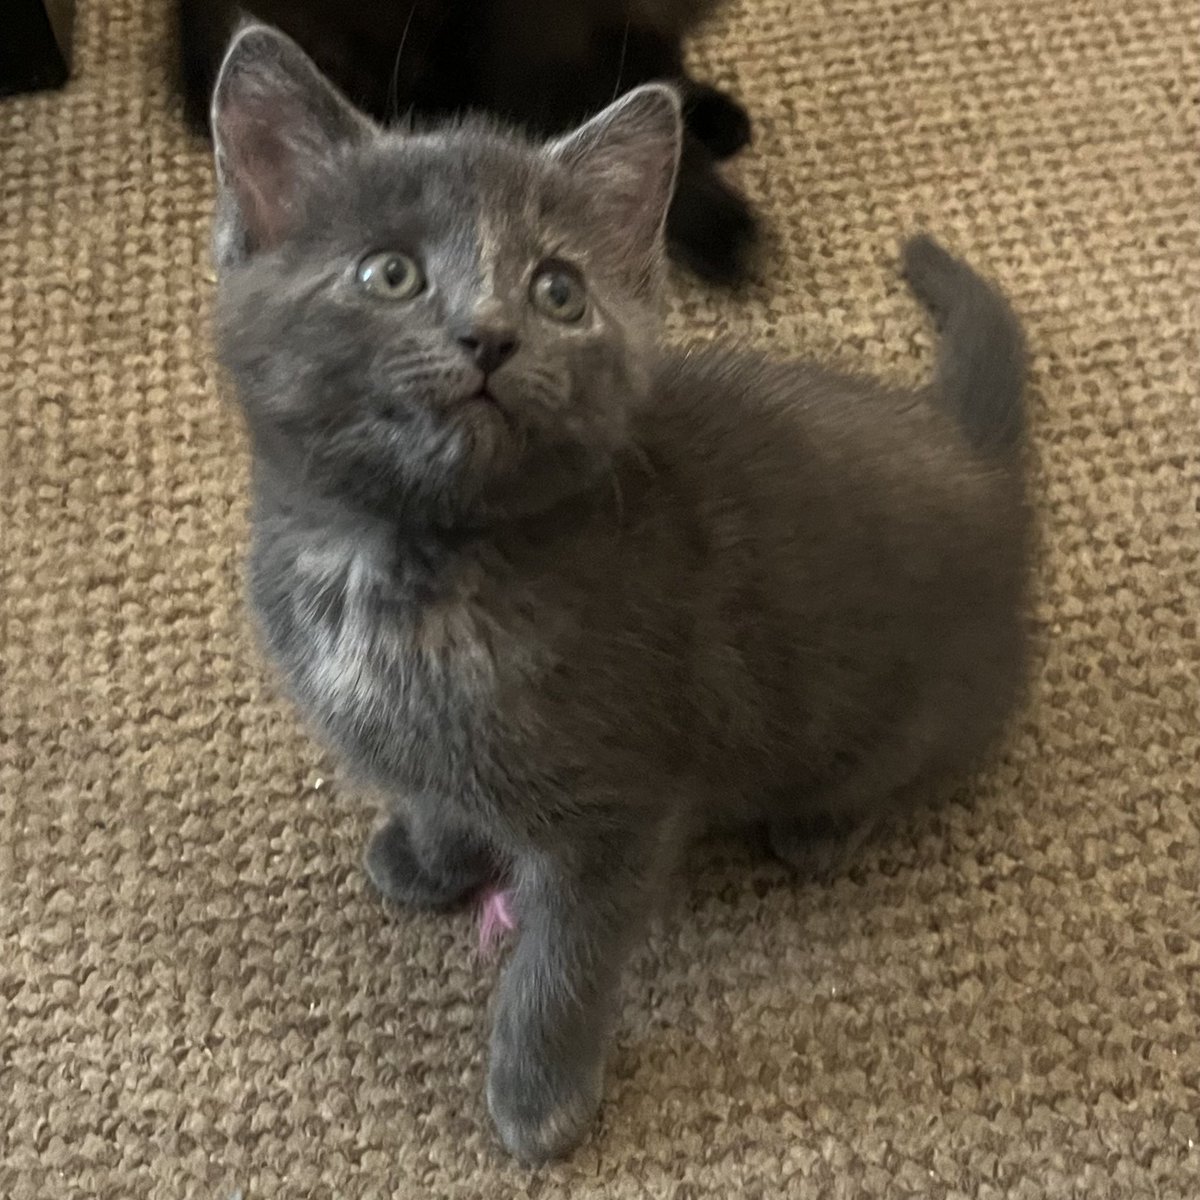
[(35, 45)]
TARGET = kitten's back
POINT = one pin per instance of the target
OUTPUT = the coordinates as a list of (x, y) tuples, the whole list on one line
[(862, 552)]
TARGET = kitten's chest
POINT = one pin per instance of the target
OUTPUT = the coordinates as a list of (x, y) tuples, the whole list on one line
[(404, 679)]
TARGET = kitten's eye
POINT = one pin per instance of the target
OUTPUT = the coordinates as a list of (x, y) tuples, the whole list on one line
[(558, 291), (391, 275)]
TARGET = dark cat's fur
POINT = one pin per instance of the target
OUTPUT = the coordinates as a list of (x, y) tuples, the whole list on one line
[(544, 65), (568, 597)]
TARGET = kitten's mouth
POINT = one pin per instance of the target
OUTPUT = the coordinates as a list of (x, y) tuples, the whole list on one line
[(483, 405), (474, 391), (480, 403), (482, 396)]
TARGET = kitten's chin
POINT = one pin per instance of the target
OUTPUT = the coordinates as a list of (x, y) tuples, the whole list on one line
[(467, 463)]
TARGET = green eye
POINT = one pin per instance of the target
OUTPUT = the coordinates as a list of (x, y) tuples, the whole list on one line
[(391, 275), (557, 290)]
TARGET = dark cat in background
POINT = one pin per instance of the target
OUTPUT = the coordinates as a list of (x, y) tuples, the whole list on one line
[(544, 65), (568, 597)]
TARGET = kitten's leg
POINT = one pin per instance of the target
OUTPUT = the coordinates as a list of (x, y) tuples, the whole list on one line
[(558, 997), (419, 858)]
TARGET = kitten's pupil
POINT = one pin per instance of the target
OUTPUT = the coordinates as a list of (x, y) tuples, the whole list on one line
[(395, 271)]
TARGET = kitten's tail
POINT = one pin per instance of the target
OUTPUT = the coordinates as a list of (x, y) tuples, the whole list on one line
[(981, 358)]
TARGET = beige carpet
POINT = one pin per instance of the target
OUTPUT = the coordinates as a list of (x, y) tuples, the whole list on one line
[(199, 997)]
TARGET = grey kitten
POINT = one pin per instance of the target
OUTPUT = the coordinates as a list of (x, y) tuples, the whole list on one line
[(566, 596)]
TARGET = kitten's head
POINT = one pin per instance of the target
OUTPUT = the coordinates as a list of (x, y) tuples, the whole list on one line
[(437, 325)]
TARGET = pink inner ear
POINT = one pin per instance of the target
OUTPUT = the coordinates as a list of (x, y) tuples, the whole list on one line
[(260, 167), (496, 918)]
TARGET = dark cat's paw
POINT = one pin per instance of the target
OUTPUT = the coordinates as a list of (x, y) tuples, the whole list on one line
[(710, 227), (542, 1104), (716, 120), (442, 880)]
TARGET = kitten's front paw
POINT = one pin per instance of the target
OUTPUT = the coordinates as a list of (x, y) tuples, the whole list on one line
[(542, 1109), (458, 870)]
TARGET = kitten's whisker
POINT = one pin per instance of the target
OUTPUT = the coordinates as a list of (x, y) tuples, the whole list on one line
[(621, 60), (393, 100)]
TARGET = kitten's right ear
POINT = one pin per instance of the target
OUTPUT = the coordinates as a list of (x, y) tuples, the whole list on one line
[(626, 159), (276, 123)]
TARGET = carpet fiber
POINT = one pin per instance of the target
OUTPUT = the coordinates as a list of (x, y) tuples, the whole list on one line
[(200, 997)]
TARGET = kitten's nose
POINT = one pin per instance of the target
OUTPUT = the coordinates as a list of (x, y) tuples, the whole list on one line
[(489, 346)]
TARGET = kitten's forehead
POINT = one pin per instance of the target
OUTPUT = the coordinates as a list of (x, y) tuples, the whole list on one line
[(497, 187)]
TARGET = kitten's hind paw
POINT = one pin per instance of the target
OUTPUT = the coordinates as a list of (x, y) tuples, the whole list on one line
[(815, 846), (457, 870)]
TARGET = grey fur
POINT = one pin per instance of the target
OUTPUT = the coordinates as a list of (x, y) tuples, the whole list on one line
[(633, 593), (979, 376)]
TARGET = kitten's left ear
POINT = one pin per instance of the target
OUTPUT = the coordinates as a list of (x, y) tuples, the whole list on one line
[(276, 123), (626, 158)]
